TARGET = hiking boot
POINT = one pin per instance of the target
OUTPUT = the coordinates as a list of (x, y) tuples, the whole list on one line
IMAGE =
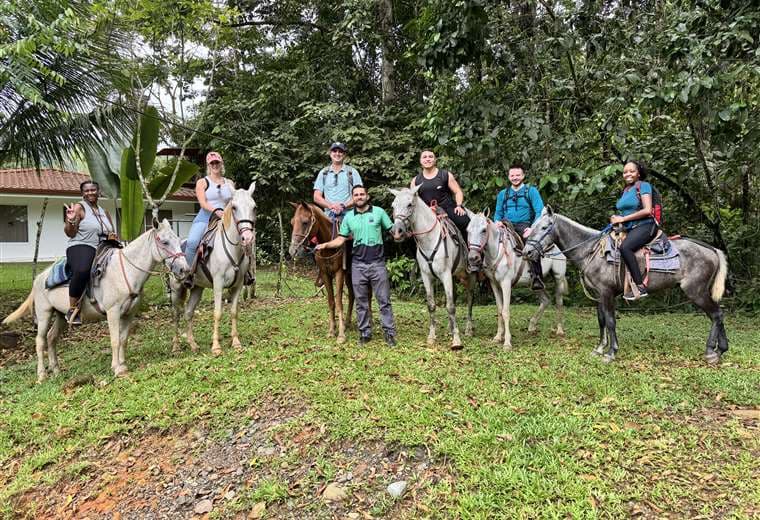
[(538, 284), (73, 317), (390, 339), (363, 340), (632, 297)]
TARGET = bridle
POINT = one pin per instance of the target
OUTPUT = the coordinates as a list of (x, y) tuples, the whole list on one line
[(170, 255), (480, 248), (405, 220), (537, 243), (307, 235)]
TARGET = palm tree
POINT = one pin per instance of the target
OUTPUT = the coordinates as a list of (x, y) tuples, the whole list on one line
[(60, 76)]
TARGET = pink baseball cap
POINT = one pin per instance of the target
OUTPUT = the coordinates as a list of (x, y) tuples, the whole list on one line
[(213, 156)]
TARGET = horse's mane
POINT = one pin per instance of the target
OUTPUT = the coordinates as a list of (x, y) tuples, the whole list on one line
[(227, 217), (576, 224)]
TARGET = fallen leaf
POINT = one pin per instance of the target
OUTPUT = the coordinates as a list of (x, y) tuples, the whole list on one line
[(258, 510)]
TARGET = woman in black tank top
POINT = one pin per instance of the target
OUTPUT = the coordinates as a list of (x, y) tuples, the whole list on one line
[(441, 186)]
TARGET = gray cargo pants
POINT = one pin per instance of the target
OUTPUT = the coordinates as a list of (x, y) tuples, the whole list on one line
[(374, 277)]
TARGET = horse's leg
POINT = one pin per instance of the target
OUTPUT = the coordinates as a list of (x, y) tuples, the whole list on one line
[(114, 324), (427, 281), (543, 303), (216, 347), (496, 288), (178, 298), (234, 302), (717, 342), (559, 300), (339, 280), (52, 338), (43, 323), (469, 287), (506, 290), (608, 302), (328, 280), (125, 328), (600, 316), (451, 308), (192, 303)]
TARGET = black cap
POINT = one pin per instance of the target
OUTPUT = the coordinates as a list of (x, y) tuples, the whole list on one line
[(338, 146)]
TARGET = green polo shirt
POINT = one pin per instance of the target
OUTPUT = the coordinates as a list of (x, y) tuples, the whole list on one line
[(367, 228)]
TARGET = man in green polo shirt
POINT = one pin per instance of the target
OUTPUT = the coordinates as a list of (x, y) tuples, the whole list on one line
[(367, 223)]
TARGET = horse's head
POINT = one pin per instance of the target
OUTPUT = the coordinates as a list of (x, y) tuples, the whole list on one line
[(403, 210), (541, 237), (242, 210), (304, 228), (168, 249), (477, 235)]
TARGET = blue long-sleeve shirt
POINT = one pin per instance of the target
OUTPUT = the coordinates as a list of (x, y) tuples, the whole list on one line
[(515, 206)]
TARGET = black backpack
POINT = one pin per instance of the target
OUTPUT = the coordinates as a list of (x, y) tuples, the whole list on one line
[(524, 194)]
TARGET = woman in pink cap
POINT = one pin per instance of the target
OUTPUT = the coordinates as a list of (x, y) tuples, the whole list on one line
[(213, 192)]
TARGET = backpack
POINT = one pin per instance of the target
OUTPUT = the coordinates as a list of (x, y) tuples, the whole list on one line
[(524, 194), (656, 203), (350, 170)]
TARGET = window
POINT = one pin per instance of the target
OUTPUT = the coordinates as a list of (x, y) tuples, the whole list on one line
[(162, 214), (14, 224)]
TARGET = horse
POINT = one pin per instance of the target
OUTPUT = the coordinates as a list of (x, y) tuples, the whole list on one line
[(492, 253), (117, 296), (309, 223), (701, 276), (412, 217), (226, 268)]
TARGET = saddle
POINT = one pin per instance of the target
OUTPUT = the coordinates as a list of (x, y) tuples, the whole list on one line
[(451, 229), (60, 273), (203, 253), (660, 254), (514, 237)]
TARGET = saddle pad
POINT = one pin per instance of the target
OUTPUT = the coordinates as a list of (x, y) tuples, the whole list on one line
[(667, 262), (59, 274)]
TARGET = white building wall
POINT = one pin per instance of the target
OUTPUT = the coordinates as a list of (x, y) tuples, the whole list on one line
[(53, 240)]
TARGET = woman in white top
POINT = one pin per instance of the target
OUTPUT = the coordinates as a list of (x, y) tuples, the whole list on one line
[(214, 191)]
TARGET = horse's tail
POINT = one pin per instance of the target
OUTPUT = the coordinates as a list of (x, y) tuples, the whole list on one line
[(23, 310), (719, 281)]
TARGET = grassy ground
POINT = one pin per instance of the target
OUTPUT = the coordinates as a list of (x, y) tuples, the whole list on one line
[(544, 430)]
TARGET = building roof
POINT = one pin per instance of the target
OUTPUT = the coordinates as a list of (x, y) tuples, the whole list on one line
[(52, 181)]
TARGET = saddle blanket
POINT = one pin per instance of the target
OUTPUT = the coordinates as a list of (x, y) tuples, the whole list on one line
[(59, 274), (667, 262)]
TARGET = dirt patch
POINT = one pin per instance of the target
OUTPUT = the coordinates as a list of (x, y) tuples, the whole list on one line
[(278, 465)]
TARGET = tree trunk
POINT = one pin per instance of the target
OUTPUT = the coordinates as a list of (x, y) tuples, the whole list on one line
[(746, 195), (387, 67), (37, 238)]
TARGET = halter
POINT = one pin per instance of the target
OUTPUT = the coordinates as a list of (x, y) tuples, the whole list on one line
[(480, 248), (308, 232), (405, 220), (160, 247)]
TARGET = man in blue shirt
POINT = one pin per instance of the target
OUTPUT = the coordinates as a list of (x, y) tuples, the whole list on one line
[(332, 187), (521, 205)]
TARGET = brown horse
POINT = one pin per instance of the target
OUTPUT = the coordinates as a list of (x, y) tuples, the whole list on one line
[(310, 227)]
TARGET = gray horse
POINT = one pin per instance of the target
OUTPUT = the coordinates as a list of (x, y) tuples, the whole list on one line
[(702, 277), (492, 253), (437, 255)]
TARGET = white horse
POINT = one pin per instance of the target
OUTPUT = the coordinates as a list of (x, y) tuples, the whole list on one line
[(118, 295), (228, 263), (437, 255), (494, 254)]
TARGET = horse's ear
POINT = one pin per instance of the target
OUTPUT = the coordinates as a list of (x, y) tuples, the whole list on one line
[(155, 223), (251, 188), (416, 189), (165, 223), (295, 205), (487, 212), (393, 192), (547, 211)]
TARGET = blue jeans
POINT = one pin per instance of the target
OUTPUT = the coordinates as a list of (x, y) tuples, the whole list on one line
[(200, 223)]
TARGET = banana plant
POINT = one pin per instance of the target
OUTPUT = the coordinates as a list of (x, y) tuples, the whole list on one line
[(128, 183)]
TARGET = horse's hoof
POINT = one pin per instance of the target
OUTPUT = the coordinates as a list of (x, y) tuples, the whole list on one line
[(457, 347), (41, 378), (431, 342), (236, 344), (341, 340), (560, 333), (532, 329), (608, 358), (497, 339), (216, 351), (712, 358), (508, 346), (597, 352), (121, 371), (56, 371)]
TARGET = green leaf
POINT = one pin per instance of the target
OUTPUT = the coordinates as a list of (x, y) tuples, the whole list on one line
[(149, 127), (725, 114), (100, 171), (128, 166), (159, 183), (132, 206)]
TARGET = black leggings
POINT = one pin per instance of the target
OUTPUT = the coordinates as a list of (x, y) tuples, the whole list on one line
[(79, 259), (535, 265), (637, 237)]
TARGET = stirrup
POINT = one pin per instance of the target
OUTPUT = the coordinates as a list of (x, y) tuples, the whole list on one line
[(73, 317)]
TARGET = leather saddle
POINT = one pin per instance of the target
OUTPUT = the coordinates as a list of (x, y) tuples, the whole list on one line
[(660, 245)]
